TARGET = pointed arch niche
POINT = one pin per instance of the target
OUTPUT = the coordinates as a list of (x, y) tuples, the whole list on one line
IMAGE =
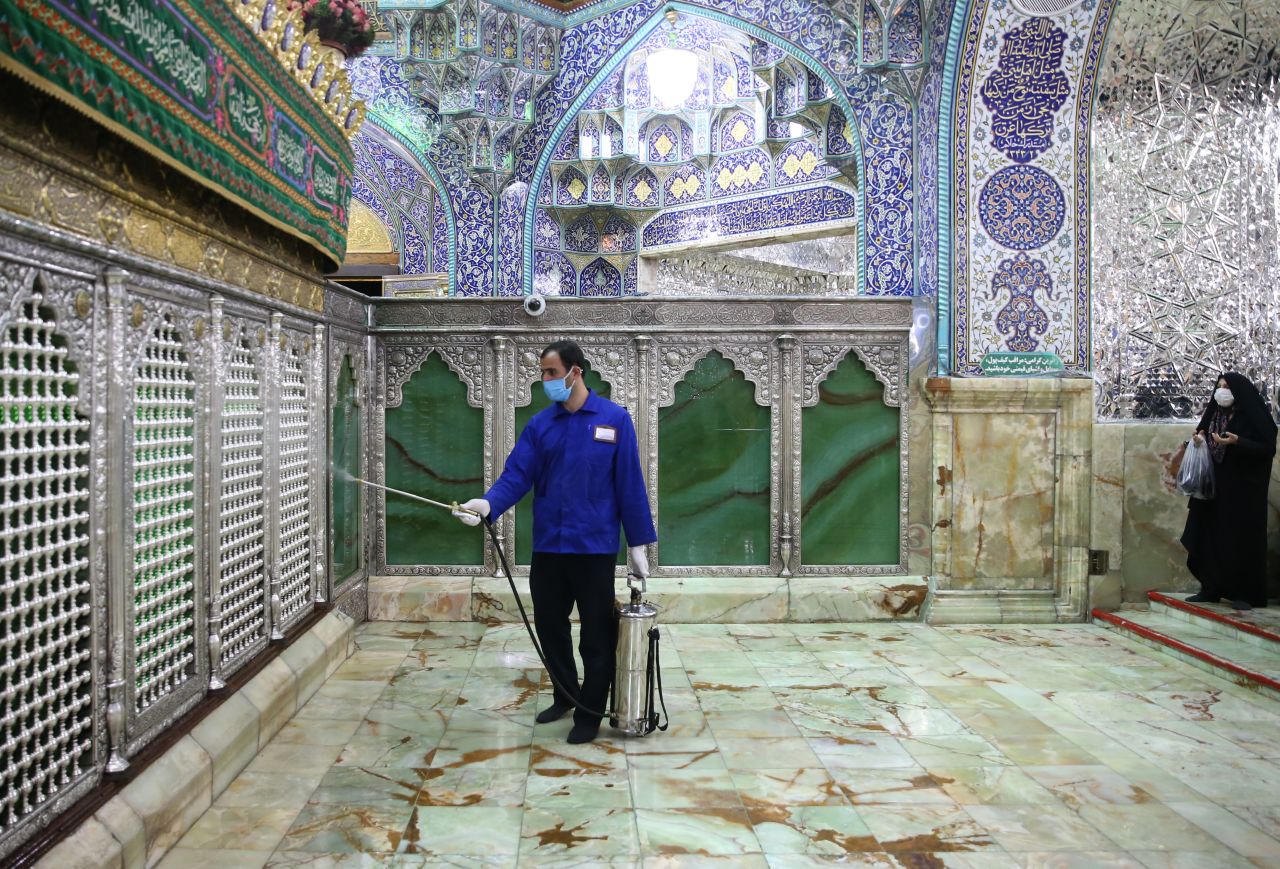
[(739, 164)]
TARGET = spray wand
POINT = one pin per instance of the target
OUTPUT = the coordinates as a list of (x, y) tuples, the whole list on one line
[(506, 568)]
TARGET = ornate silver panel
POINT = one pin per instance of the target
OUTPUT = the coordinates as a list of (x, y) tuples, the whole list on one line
[(240, 577), (50, 588), (295, 473), (398, 358), (346, 348), (643, 347), (162, 399)]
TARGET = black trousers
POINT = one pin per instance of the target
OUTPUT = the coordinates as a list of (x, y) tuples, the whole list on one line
[(557, 581)]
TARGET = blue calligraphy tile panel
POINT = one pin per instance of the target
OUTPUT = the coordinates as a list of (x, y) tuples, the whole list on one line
[(744, 217), (1026, 89), (1020, 204)]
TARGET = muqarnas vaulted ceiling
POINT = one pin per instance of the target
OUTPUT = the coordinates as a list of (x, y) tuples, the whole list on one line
[(756, 149)]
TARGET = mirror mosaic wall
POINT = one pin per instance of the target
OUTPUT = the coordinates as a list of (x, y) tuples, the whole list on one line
[(1186, 278)]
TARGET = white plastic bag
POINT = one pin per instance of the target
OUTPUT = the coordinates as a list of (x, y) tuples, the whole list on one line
[(1195, 478)]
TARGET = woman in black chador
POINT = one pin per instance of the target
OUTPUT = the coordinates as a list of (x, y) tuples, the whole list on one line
[(1226, 538)]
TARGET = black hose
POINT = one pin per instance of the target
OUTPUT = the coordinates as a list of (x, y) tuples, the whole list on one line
[(506, 568)]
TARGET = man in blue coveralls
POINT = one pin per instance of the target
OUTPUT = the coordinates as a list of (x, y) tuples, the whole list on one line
[(581, 460)]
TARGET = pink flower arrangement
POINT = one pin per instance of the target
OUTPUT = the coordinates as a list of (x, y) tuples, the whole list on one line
[(343, 23)]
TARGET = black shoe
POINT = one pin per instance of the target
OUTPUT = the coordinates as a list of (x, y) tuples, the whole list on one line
[(1241, 605), (554, 712), (1200, 598), (583, 732)]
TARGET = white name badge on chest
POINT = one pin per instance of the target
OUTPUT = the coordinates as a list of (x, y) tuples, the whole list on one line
[(606, 434)]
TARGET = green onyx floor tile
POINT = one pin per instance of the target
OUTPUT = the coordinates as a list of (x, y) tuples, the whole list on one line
[(869, 787), (782, 752), (496, 788), (577, 831), (711, 832), (924, 828), (990, 785), (659, 788), (480, 831), (434, 448), (556, 788), (832, 830), (1043, 827), (355, 786), (348, 829), (793, 787), (1088, 785), (849, 471), (713, 470)]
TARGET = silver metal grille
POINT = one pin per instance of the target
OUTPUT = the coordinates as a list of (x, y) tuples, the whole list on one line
[(295, 485), (241, 511), (164, 574), (46, 716)]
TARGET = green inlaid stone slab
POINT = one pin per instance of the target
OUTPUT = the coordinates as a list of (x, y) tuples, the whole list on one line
[(434, 448), (713, 470), (345, 449), (849, 471), (524, 509)]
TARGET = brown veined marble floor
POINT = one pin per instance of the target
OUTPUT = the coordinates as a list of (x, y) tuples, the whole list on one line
[(790, 745)]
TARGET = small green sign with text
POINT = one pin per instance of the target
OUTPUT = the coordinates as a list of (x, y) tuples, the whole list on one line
[(1020, 364)]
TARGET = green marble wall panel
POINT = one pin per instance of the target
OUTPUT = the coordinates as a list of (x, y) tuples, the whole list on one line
[(713, 470), (524, 509), (434, 448), (849, 485), (345, 451)]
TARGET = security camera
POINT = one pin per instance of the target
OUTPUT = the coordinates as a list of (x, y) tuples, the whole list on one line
[(535, 305)]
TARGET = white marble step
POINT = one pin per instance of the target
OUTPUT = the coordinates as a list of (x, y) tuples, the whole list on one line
[(683, 600), (1243, 662)]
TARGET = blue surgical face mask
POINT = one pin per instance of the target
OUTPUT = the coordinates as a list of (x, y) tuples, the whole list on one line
[(557, 390)]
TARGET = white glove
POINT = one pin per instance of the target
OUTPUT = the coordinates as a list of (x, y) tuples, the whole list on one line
[(479, 508), (639, 561)]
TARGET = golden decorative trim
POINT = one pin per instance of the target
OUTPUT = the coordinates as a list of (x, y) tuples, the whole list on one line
[(41, 180)]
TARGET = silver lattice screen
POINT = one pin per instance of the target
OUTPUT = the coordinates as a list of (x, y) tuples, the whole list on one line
[(1186, 143)]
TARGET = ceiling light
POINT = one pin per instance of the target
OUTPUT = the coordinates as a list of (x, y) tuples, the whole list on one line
[(673, 73)]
